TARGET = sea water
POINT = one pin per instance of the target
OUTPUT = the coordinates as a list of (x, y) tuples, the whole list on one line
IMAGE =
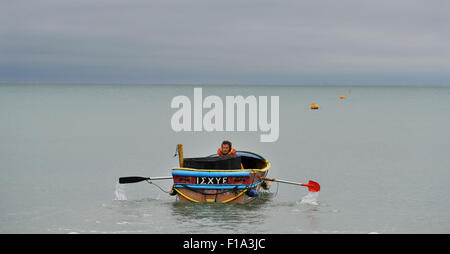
[(381, 156)]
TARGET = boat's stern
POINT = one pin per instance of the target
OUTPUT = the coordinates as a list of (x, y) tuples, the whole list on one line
[(214, 185), (222, 179)]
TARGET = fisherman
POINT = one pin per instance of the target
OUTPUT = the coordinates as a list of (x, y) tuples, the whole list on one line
[(226, 149)]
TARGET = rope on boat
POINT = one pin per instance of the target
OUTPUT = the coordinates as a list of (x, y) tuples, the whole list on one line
[(148, 181), (235, 197)]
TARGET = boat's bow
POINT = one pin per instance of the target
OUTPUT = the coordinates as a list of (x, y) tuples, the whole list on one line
[(221, 185)]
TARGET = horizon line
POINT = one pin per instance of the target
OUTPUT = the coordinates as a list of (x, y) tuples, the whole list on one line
[(300, 84)]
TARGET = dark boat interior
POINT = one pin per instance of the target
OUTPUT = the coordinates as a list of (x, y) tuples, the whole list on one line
[(247, 159)]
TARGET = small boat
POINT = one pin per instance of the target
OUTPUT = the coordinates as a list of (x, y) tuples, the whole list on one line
[(220, 179), (223, 179)]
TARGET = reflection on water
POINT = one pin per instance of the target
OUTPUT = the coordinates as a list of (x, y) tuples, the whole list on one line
[(268, 214), (219, 217)]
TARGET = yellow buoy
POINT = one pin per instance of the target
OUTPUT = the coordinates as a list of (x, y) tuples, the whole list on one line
[(314, 106), (342, 96)]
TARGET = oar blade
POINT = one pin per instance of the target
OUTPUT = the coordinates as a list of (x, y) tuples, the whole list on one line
[(312, 186), (132, 179)]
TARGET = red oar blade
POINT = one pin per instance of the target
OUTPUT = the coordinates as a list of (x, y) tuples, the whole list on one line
[(312, 186)]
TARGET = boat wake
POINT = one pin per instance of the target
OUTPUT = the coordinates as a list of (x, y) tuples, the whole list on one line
[(120, 192), (310, 199)]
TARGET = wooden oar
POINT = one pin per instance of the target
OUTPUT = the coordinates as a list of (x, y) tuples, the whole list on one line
[(312, 186), (136, 179)]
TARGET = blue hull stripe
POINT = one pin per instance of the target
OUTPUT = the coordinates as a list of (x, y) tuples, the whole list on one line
[(210, 173)]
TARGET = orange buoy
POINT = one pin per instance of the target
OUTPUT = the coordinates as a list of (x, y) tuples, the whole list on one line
[(342, 96), (314, 106)]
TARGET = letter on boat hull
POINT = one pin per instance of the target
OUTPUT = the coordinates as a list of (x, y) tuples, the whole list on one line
[(221, 185)]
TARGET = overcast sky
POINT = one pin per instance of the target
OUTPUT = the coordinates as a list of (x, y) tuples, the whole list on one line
[(226, 41)]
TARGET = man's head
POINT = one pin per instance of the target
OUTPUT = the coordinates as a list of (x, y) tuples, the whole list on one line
[(226, 147)]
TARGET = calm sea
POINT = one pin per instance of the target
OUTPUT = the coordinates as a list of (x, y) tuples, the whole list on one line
[(381, 155)]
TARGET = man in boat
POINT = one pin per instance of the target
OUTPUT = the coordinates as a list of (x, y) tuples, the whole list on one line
[(226, 149)]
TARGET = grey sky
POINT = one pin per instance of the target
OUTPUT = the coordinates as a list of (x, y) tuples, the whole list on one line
[(212, 41)]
